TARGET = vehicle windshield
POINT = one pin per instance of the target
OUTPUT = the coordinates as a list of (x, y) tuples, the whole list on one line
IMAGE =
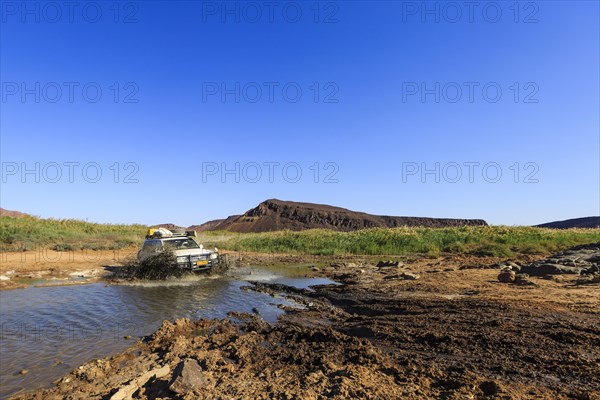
[(183, 243)]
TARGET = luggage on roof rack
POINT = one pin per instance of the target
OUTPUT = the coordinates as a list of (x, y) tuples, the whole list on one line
[(156, 233)]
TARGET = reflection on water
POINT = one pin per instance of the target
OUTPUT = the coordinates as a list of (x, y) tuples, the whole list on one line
[(51, 330)]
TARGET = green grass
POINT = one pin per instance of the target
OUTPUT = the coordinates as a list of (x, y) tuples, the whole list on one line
[(28, 233), (66, 235), (500, 241)]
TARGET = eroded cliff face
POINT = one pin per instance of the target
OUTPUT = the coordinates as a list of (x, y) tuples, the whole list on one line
[(273, 215)]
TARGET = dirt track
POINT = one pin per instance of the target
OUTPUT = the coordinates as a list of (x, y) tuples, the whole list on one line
[(453, 333), (21, 269)]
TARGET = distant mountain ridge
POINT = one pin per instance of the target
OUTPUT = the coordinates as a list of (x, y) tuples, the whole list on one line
[(168, 226), (207, 226), (585, 222), (14, 214), (275, 215)]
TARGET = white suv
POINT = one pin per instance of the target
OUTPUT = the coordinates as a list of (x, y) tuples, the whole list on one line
[(190, 255)]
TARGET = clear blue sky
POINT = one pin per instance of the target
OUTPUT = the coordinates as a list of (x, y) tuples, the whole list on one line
[(369, 94)]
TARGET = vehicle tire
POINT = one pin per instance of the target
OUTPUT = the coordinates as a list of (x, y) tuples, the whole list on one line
[(220, 266)]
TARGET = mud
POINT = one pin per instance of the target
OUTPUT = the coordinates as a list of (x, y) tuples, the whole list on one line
[(44, 267), (451, 331), (19, 270)]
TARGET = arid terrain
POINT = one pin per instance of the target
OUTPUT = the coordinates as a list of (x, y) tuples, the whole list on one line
[(413, 328)]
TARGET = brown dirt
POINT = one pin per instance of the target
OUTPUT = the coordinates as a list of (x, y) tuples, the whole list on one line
[(21, 269), (453, 333)]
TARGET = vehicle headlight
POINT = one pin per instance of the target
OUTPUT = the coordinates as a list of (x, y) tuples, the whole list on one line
[(213, 256), (182, 259)]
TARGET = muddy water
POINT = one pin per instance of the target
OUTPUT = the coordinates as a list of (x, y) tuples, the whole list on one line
[(49, 331)]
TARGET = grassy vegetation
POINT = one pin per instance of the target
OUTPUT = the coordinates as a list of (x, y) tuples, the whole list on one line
[(484, 240), (26, 233)]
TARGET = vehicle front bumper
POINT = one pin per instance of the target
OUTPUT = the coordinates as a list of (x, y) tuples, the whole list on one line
[(194, 263)]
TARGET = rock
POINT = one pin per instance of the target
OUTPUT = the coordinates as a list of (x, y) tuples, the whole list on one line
[(187, 377), (578, 260), (589, 280), (594, 269), (471, 266), (344, 277), (409, 276), (507, 276), (24, 371), (549, 269), (93, 370), (388, 264), (508, 265), (315, 269), (127, 391), (593, 259), (523, 280), (514, 266), (490, 388)]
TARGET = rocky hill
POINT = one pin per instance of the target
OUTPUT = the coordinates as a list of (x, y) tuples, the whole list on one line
[(207, 226), (13, 214), (586, 222), (168, 226), (274, 215)]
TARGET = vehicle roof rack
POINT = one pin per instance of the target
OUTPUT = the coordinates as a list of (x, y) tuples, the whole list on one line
[(162, 233)]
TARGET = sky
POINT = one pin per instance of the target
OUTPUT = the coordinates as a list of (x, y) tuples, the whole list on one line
[(182, 112)]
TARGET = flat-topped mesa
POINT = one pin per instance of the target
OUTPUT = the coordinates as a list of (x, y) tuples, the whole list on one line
[(274, 215)]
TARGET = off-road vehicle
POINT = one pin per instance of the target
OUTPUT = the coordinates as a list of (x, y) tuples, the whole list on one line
[(190, 255)]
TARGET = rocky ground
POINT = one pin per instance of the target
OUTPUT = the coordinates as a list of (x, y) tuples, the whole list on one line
[(446, 328)]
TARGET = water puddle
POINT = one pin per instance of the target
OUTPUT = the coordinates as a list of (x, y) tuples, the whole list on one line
[(51, 330)]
